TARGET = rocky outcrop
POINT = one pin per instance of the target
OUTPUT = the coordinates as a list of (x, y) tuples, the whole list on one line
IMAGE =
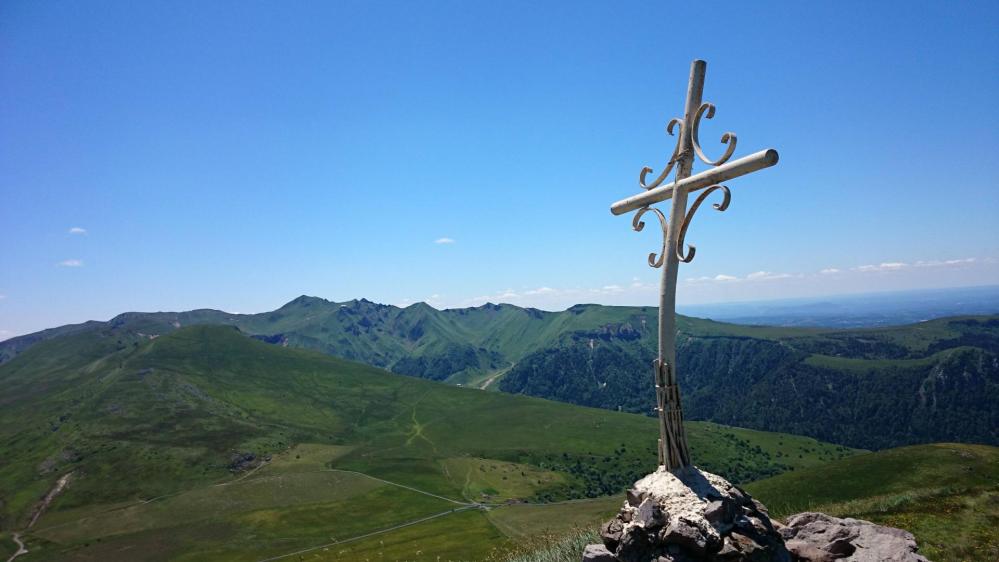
[(817, 537), (690, 515), (695, 516)]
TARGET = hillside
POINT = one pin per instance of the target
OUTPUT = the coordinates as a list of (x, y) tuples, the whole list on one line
[(205, 440), (946, 494), (868, 388)]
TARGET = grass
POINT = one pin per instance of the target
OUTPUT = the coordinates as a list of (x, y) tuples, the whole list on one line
[(137, 419), (526, 520), (945, 494), (495, 481), (855, 364), (467, 535), (566, 547)]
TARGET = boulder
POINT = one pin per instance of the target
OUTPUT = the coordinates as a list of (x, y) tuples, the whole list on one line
[(817, 537), (688, 516)]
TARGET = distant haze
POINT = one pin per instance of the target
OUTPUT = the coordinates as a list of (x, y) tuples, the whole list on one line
[(856, 311)]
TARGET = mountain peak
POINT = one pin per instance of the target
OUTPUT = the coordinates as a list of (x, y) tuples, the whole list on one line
[(306, 300)]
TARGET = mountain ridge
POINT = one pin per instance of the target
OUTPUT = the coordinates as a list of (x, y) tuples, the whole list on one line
[(868, 388)]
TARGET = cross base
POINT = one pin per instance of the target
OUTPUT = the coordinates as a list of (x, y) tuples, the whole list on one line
[(673, 451)]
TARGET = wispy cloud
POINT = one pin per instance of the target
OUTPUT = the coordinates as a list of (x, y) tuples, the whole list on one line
[(754, 276), (540, 291), (444, 240), (753, 285), (544, 294), (945, 263), (766, 276), (899, 265), (70, 263), (884, 266), (78, 231)]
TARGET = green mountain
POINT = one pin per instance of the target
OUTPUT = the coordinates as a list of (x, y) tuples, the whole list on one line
[(947, 494), (206, 444), (868, 388), (875, 388)]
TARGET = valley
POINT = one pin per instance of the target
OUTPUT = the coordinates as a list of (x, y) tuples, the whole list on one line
[(208, 436), (207, 444)]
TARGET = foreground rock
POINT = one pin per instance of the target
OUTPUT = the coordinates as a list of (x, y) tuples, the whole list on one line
[(817, 537), (689, 516), (696, 516)]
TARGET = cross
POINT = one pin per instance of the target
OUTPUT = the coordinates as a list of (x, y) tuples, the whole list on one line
[(673, 451)]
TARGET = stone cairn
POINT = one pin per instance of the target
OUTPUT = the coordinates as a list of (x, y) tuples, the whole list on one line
[(694, 516), (688, 515)]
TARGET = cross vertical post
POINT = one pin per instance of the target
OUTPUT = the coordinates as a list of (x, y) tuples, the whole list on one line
[(673, 451)]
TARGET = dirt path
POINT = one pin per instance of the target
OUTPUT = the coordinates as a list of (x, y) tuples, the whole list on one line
[(485, 384), (396, 484), (464, 507), (20, 547), (60, 485), (371, 534)]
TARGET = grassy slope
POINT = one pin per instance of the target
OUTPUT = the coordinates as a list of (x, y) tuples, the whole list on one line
[(894, 377), (946, 494), (136, 419)]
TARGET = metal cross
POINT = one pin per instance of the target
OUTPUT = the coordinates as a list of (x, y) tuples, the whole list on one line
[(673, 451)]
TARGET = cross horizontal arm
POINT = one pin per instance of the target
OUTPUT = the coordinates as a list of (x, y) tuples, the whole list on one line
[(725, 172)]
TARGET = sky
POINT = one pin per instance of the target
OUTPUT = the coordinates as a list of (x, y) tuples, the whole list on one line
[(234, 155)]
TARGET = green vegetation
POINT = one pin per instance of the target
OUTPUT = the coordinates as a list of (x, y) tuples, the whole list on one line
[(553, 519), (934, 381), (945, 494), (555, 548), (206, 444), (866, 388)]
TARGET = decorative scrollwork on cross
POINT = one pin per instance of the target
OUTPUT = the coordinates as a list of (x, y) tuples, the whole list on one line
[(674, 453), (638, 224), (691, 250), (672, 159), (729, 138)]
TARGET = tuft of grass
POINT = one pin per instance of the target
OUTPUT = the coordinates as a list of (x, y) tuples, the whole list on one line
[(567, 547)]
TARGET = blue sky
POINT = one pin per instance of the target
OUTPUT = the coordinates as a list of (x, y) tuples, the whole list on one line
[(234, 155)]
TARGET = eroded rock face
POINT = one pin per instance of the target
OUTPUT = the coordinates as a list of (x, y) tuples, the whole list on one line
[(817, 537), (691, 515)]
